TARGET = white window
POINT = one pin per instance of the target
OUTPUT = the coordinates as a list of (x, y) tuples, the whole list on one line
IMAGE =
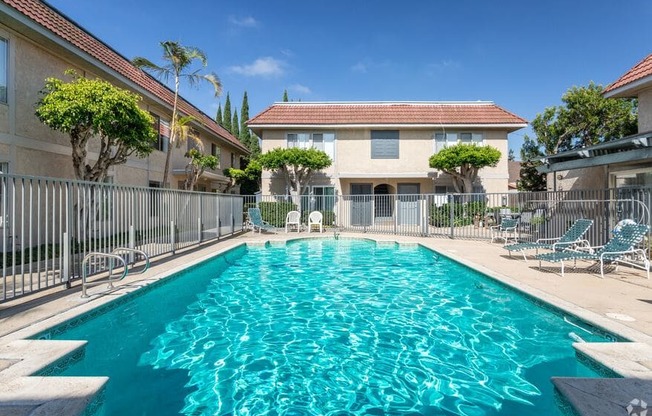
[(162, 127), (300, 140), (443, 140), (217, 152), (320, 141), (318, 198), (4, 72)]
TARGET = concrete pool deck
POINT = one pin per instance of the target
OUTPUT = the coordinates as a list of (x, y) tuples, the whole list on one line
[(621, 304)]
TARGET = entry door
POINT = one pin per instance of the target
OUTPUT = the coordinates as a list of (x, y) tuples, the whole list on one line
[(408, 204), (361, 204)]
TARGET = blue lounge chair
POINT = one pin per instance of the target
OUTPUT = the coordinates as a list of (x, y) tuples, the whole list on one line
[(256, 221), (572, 238), (617, 250)]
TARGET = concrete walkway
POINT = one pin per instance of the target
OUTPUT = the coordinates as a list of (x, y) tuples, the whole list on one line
[(621, 304)]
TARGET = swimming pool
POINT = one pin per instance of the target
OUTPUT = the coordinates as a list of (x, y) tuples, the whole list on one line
[(323, 326)]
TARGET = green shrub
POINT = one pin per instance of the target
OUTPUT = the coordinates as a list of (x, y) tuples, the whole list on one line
[(275, 212), (440, 216)]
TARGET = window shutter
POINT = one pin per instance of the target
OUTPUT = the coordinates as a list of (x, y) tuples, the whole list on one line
[(384, 144)]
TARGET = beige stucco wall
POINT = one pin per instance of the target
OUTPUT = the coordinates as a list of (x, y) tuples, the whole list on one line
[(645, 111), (585, 178), (33, 65), (353, 163), (4, 118)]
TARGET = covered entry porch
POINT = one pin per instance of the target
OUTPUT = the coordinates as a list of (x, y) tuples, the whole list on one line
[(386, 201)]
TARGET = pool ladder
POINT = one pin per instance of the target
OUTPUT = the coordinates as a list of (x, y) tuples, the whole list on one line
[(121, 257)]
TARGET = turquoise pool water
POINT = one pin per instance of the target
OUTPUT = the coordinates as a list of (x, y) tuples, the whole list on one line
[(328, 327)]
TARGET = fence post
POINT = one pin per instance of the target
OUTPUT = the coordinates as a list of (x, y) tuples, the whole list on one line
[(172, 237), (132, 243), (66, 237), (396, 214), (66, 260), (424, 216), (451, 215), (217, 215), (232, 217), (199, 218)]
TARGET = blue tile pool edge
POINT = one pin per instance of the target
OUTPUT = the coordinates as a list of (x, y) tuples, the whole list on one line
[(226, 255)]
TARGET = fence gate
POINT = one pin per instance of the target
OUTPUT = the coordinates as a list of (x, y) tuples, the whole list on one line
[(361, 205), (408, 204)]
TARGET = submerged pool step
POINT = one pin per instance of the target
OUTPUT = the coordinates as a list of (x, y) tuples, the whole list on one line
[(29, 356), (52, 396), (627, 359), (22, 393)]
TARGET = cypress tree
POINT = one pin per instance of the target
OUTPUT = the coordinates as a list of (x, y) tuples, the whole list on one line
[(218, 116), (235, 126), (227, 117), (285, 96), (245, 134)]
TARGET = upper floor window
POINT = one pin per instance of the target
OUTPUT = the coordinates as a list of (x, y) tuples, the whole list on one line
[(4, 72), (162, 127), (443, 140), (320, 141), (216, 151), (384, 144), (193, 141)]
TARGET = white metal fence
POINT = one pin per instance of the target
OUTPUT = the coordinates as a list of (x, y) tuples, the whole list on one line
[(466, 216), (48, 225)]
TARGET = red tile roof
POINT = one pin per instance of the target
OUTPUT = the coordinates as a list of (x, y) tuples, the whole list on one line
[(69, 31), (387, 113), (639, 71)]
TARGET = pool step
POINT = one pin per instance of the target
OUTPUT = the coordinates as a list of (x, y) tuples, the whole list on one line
[(51, 396), (628, 359), (24, 394), (26, 357)]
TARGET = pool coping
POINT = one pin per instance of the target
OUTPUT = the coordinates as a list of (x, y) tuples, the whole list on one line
[(628, 359)]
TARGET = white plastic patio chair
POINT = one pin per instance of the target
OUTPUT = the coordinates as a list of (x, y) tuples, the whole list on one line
[(293, 219), (315, 219)]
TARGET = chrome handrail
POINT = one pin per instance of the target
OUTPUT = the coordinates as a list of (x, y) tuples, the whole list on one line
[(111, 257), (117, 254), (126, 250)]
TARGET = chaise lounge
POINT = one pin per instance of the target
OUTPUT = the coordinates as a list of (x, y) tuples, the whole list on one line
[(572, 238), (617, 250), (256, 221)]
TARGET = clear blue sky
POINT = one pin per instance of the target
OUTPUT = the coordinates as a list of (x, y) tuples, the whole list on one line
[(523, 55)]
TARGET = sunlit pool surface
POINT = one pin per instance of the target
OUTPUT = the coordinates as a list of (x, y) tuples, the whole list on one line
[(329, 327)]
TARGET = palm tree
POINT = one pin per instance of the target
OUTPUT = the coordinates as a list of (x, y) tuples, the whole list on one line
[(178, 59)]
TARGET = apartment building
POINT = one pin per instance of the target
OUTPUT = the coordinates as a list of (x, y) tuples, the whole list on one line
[(382, 148), (37, 42)]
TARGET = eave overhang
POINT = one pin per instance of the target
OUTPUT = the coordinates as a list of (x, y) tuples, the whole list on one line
[(628, 149)]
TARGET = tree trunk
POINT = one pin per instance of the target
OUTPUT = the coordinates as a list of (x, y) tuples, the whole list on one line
[(173, 132)]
